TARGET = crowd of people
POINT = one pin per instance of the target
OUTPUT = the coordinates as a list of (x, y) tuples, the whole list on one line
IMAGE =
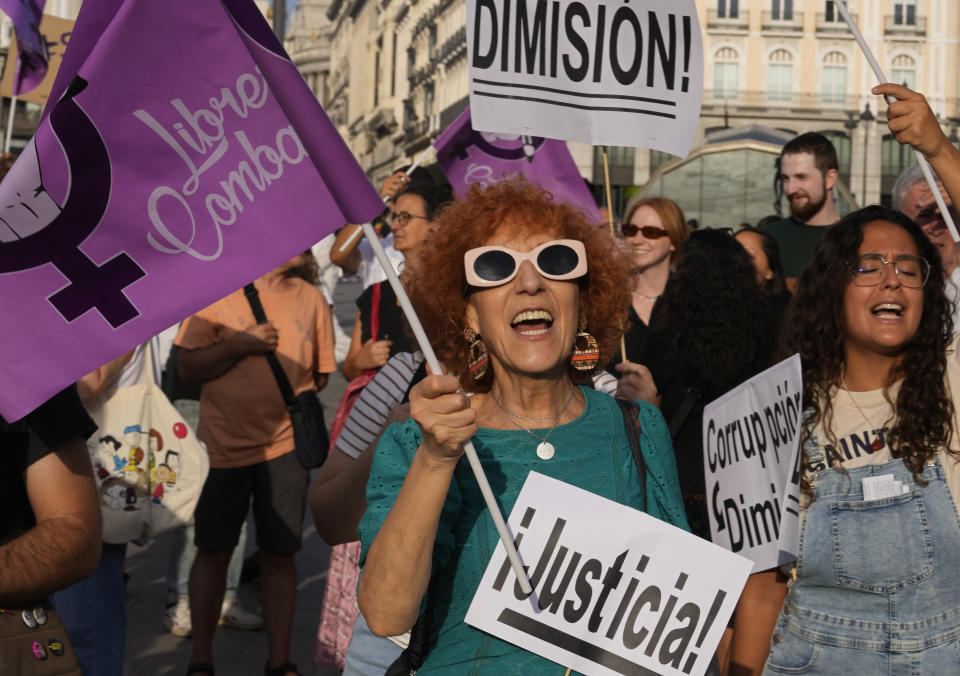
[(585, 358)]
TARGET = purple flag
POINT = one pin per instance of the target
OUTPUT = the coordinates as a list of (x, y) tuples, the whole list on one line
[(183, 157), (467, 157), (32, 52)]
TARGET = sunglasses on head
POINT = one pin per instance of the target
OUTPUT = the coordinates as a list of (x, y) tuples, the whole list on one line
[(649, 231), (559, 259)]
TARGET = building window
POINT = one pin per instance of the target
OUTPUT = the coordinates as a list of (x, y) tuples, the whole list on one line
[(432, 42), (831, 13), (841, 142), (782, 10), (619, 162), (896, 158), (428, 100), (376, 73), (726, 70), (728, 9), (393, 64), (411, 61), (904, 71), (780, 76), (659, 158), (905, 12), (834, 78)]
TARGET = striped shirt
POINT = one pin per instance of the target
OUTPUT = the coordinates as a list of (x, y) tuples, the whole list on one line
[(375, 402)]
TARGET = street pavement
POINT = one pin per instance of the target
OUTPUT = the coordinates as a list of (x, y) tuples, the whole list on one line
[(151, 651)]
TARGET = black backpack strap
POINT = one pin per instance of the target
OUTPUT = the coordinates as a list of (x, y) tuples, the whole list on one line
[(418, 375), (253, 297), (631, 421), (690, 399), (412, 657)]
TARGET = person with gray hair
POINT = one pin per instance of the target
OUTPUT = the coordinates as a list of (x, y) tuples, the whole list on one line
[(913, 198)]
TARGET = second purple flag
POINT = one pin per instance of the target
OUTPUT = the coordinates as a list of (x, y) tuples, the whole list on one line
[(32, 53), (467, 157)]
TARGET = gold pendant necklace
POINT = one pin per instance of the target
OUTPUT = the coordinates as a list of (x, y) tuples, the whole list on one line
[(876, 445)]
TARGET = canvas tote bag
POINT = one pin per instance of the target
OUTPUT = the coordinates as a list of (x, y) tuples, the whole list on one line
[(148, 463)]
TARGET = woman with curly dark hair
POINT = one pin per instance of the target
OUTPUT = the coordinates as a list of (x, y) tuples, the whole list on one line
[(875, 588), (521, 298), (765, 254), (711, 331)]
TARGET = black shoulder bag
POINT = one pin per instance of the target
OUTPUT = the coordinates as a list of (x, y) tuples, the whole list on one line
[(310, 435), (631, 421)]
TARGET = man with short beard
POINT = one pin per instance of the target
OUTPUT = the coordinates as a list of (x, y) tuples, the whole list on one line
[(807, 173)]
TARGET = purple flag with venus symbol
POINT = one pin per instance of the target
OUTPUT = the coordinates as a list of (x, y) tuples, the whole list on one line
[(180, 156)]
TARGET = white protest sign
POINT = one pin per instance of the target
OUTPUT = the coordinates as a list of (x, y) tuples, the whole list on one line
[(752, 465), (600, 72), (616, 591)]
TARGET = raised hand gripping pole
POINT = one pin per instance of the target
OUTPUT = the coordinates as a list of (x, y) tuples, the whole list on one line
[(356, 233), (921, 160), (435, 366)]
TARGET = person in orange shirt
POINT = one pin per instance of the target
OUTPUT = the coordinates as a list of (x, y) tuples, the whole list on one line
[(247, 429)]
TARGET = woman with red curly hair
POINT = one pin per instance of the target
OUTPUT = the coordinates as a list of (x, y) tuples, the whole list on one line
[(522, 299)]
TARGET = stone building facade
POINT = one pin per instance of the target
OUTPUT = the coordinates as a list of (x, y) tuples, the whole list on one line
[(398, 75)]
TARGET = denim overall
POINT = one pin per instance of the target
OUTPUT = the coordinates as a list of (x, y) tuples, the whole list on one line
[(878, 582)]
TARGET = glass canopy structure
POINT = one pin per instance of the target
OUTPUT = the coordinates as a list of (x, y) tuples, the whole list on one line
[(729, 179)]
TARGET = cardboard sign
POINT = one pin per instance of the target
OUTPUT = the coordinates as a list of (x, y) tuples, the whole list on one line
[(751, 459), (56, 33), (616, 591), (159, 180), (603, 72)]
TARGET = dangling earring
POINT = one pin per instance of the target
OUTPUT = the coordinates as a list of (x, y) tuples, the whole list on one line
[(477, 357), (586, 350)]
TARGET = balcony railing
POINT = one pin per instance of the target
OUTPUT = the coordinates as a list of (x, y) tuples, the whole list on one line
[(738, 22), (416, 129), (892, 27), (779, 23), (835, 24), (758, 101)]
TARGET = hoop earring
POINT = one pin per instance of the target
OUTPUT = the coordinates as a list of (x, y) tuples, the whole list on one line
[(586, 351), (477, 357)]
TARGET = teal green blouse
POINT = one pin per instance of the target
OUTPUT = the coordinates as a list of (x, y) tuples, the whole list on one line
[(592, 452)]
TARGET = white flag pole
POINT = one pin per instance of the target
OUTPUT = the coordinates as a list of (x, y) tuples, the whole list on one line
[(921, 160), (9, 136), (435, 366), (356, 233), (421, 158)]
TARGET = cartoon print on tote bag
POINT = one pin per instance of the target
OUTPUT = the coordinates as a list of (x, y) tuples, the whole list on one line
[(130, 476)]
